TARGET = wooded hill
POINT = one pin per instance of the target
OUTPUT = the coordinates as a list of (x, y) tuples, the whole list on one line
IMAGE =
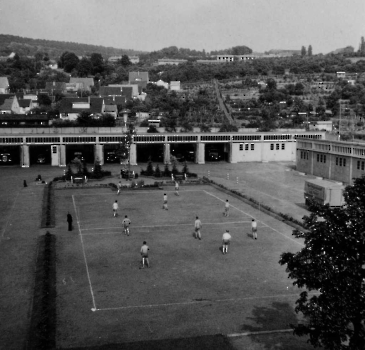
[(54, 49)]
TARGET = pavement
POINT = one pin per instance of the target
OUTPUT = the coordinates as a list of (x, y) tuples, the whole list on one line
[(277, 185)]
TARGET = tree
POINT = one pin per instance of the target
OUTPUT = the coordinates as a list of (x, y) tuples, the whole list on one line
[(310, 53), (68, 61), (303, 52), (84, 68), (124, 61), (97, 62), (332, 262)]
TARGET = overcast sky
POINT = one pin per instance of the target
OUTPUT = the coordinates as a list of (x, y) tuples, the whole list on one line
[(195, 24)]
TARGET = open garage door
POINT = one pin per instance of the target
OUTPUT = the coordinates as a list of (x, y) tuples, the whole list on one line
[(183, 151), (9, 155), (150, 151), (83, 152), (215, 152), (40, 154)]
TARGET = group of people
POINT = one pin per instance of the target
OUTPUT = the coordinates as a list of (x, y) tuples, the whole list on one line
[(126, 221)]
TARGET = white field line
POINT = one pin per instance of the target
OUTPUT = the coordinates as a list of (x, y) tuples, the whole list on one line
[(152, 226), (222, 200), (245, 334), (137, 192), (198, 302), (83, 251), (9, 216)]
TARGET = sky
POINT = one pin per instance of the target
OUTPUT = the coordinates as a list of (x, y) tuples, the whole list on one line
[(150, 25)]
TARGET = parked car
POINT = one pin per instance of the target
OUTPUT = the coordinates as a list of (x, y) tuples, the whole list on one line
[(111, 157), (128, 174), (5, 158), (79, 156), (214, 155), (41, 159)]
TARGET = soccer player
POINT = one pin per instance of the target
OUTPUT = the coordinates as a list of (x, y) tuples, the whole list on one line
[(226, 208), (176, 188), (144, 254), (115, 208), (165, 202), (226, 239), (254, 228), (126, 222), (198, 225), (119, 186)]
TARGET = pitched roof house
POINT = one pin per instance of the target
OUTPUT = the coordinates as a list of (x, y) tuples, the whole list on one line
[(9, 104), (82, 83), (4, 85), (138, 76), (55, 87)]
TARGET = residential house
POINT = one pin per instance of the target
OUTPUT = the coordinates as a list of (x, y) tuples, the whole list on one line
[(128, 90), (9, 104), (55, 87), (25, 105), (114, 99), (70, 108), (162, 83), (175, 85), (170, 61), (134, 59), (110, 91), (138, 77), (84, 84), (4, 85)]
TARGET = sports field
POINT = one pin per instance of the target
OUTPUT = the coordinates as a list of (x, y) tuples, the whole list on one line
[(191, 288)]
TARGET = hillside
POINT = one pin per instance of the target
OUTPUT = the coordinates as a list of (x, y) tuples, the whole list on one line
[(54, 49)]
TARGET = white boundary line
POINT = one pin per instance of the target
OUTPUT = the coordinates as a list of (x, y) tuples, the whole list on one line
[(136, 192), (172, 225), (235, 335), (197, 302), (83, 251), (252, 217)]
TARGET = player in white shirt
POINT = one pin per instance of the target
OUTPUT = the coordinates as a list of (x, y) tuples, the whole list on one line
[(115, 208), (226, 240)]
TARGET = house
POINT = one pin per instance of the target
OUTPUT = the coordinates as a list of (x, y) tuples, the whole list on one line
[(55, 87), (341, 75), (175, 85), (25, 105), (117, 100), (9, 104), (85, 84), (70, 108), (134, 59), (128, 90), (4, 85), (110, 91), (138, 77), (170, 61)]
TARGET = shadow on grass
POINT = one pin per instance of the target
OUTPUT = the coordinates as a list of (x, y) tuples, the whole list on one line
[(213, 342), (277, 317)]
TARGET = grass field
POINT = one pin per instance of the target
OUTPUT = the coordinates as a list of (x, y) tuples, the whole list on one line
[(191, 288)]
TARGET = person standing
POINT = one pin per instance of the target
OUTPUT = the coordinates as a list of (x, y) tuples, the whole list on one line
[(119, 187), (69, 220), (254, 229), (198, 225), (226, 240), (144, 254), (115, 208), (126, 222), (176, 188), (165, 202), (226, 208)]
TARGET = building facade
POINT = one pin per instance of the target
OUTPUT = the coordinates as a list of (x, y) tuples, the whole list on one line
[(335, 160)]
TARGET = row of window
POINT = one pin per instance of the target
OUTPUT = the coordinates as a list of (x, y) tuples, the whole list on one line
[(154, 138), (321, 158), (340, 161), (77, 139), (304, 155), (11, 140), (42, 139), (340, 149), (246, 146), (177, 138), (360, 164), (278, 137), (272, 146), (246, 137)]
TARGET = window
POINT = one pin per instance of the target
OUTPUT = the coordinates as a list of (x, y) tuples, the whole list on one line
[(321, 158), (340, 161), (317, 157), (271, 146), (362, 165), (246, 147), (277, 146), (336, 160), (252, 146), (344, 162), (283, 146), (358, 164), (324, 158), (241, 146), (54, 149)]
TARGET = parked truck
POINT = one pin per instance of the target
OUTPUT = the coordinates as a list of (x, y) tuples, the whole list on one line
[(324, 192)]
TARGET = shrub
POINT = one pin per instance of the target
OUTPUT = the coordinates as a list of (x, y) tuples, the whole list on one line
[(157, 171)]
